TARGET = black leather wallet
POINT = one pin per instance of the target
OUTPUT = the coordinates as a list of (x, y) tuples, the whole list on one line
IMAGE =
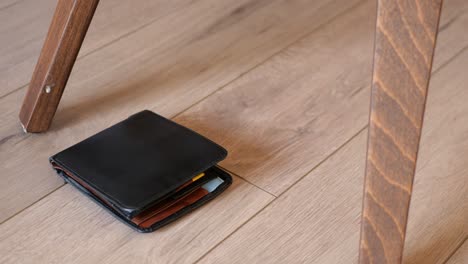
[(146, 170)]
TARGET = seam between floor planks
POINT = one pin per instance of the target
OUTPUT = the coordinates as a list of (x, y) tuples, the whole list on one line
[(449, 60), (458, 247), (273, 195), (10, 5), (32, 204)]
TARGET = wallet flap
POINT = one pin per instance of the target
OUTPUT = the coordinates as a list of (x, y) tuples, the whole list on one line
[(140, 160)]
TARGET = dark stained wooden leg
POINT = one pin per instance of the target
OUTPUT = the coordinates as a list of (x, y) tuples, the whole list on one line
[(405, 38), (66, 34)]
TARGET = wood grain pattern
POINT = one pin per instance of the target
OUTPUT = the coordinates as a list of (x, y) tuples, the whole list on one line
[(68, 227), (460, 256), (166, 66), (63, 42), (405, 39), (317, 220)]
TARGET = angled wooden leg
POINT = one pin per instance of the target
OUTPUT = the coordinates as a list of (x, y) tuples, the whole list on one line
[(63, 41), (405, 38)]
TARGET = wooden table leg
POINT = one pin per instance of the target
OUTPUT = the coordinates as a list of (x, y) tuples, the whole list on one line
[(66, 34), (405, 38)]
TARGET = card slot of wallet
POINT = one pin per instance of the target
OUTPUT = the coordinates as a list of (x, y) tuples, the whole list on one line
[(163, 205), (180, 204), (173, 205)]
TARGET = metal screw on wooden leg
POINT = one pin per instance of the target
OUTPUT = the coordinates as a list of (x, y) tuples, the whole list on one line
[(48, 89)]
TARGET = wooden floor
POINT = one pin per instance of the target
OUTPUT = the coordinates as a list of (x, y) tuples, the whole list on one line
[(284, 85)]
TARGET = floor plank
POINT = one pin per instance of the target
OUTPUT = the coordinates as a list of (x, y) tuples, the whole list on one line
[(67, 227), (317, 220), (460, 256), (24, 24), (316, 93), (166, 66)]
